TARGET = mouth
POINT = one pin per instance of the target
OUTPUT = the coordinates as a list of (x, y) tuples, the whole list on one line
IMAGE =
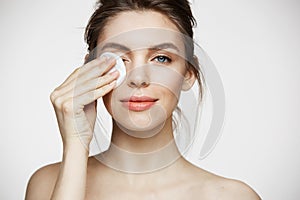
[(141, 103)]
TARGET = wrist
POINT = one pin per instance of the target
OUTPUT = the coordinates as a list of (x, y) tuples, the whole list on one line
[(75, 146)]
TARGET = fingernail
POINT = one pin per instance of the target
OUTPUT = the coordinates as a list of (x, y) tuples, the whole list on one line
[(113, 73), (109, 60), (106, 59)]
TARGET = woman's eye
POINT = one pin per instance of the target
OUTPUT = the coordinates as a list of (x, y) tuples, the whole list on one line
[(162, 59), (124, 60)]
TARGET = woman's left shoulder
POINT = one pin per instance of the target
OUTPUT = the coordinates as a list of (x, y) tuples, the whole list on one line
[(235, 189), (218, 187)]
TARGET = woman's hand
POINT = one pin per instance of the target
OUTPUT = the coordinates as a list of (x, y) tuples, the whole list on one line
[(74, 100), (75, 108)]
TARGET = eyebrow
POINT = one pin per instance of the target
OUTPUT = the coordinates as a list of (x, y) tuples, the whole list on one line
[(115, 46), (165, 46), (126, 49)]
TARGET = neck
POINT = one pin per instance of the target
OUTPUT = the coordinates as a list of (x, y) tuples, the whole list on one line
[(143, 141), (129, 153)]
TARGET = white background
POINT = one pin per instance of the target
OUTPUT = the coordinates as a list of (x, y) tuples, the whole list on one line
[(254, 44)]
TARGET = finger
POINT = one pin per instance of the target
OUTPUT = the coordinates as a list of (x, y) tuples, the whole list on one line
[(95, 72), (87, 98), (104, 63), (95, 83), (81, 70), (93, 69), (74, 75), (83, 89)]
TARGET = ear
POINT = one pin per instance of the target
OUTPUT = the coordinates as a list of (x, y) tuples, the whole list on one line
[(190, 75), (189, 80)]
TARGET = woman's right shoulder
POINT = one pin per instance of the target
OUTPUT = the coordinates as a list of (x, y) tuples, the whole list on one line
[(42, 182)]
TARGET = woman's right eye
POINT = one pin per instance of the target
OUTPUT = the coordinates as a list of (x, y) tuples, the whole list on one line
[(125, 60)]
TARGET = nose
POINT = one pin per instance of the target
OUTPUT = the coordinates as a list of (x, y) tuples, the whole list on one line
[(138, 77)]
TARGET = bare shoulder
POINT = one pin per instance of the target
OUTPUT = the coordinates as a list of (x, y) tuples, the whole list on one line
[(234, 189), (42, 182), (217, 187)]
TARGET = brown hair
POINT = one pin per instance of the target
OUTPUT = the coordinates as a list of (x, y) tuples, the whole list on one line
[(178, 11)]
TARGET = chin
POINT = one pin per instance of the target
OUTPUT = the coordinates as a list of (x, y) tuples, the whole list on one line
[(141, 132), (141, 124)]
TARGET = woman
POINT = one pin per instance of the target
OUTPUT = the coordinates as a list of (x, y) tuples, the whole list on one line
[(141, 108)]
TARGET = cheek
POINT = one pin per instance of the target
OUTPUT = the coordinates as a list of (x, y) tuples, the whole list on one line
[(169, 101), (169, 80)]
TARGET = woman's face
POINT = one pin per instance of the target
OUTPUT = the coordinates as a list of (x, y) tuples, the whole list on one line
[(152, 49)]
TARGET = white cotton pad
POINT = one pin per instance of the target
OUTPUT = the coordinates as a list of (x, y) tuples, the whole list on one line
[(118, 66)]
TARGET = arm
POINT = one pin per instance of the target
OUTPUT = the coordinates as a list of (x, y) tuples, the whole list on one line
[(74, 104), (71, 179), (65, 180)]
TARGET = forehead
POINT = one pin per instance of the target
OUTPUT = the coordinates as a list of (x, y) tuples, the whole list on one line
[(141, 29)]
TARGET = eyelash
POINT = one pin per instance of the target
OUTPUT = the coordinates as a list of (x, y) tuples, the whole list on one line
[(166, 59)]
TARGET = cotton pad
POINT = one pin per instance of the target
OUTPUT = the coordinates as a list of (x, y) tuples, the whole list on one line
[(118, 66)]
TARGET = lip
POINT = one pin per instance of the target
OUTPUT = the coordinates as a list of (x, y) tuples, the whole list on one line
[(138, 103)]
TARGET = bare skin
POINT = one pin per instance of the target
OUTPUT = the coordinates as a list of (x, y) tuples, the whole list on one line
[(105, 183), (81, 177)]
